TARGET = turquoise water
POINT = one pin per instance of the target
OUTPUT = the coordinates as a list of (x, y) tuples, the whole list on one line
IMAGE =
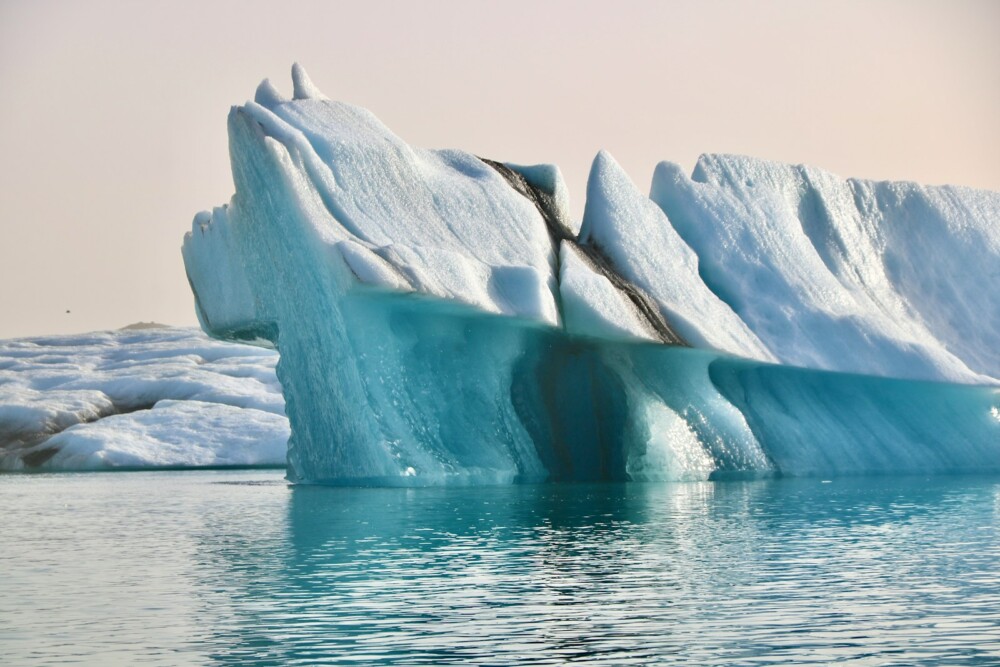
[(238, 567)]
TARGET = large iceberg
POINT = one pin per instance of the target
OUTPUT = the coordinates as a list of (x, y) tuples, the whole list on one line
[(440, 317)]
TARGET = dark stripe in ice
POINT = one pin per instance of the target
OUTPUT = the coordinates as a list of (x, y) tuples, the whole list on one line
[(574, 406), (558, 228), (644, 306), (35, 442), (39, 456), (543, 201)]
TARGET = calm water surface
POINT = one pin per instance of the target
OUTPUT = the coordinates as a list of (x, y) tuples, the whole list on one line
[(237, 567)]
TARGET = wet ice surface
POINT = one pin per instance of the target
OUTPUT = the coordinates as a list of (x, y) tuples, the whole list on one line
[(237, 567)]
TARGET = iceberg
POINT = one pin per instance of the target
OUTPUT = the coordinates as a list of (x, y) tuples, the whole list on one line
[(441, 319), (156, 397)]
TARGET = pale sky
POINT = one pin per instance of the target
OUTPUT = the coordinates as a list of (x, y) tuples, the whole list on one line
[(113, 114)]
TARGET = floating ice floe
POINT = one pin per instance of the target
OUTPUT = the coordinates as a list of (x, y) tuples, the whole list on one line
[(156, 397)]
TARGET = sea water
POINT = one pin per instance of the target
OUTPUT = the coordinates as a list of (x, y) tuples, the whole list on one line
[(238, 567)]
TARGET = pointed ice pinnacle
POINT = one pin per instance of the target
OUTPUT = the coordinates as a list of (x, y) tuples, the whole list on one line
[(267, 95), (302, 87)]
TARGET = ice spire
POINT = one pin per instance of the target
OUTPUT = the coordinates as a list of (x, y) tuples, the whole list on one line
[(267, 95), (302, 87)]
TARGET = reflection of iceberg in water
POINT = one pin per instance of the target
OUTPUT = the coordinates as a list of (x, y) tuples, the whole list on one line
[(608, 572), (442, 320)]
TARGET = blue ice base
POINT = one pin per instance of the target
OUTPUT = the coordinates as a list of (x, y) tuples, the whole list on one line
[(440, 393)]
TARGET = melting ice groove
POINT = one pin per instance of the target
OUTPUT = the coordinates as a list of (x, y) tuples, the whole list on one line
[(441, 319)]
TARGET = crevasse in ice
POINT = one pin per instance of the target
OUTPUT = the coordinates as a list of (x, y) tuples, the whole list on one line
[(441, 319)]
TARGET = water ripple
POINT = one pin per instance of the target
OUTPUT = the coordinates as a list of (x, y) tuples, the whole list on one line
[(176, 568)]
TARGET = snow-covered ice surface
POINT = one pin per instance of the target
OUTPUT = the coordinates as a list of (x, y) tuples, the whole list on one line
[(439, 222), (157, 397), (893, 279), (442, 320)]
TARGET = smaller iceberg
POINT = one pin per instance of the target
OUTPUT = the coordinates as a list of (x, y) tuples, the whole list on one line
[(441, 320), (150, 398)]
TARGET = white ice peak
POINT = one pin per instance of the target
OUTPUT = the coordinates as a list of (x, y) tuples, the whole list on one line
[(302, 87)]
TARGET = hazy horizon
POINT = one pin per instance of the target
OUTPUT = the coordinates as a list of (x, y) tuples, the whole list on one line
[(113, 131)]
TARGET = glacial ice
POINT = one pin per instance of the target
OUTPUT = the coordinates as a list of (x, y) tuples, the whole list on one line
[(891, 279), (636, 236), (159, 397), (440, 318)]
